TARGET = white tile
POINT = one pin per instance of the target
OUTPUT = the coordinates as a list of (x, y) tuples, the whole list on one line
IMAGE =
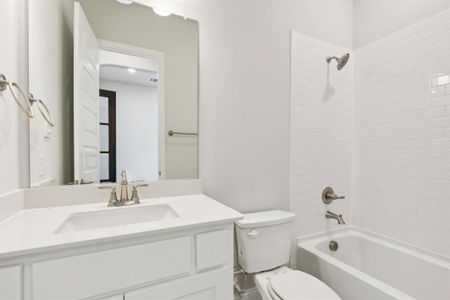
[(401, 142), (378, 132), (321, 133)]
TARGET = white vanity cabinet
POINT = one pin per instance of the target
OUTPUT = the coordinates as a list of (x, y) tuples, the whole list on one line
[(195, 264), (189, 257)]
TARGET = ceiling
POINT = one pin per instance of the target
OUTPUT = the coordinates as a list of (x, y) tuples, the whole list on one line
[(121, 74)]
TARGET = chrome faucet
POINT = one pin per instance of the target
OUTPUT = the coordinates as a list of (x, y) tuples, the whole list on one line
[(124, 198), (124, 187), (332, 215)]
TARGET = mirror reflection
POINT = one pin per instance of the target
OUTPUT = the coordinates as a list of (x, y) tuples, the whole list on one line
[(135, 95), (128, 92)]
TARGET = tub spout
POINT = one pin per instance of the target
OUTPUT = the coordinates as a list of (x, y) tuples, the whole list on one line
[(332, 215)]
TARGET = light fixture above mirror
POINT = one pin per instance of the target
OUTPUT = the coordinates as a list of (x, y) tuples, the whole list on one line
[(126, 2), (161, 12)]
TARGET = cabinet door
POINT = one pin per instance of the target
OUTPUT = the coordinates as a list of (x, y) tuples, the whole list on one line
[(214, 285), (11, 283)]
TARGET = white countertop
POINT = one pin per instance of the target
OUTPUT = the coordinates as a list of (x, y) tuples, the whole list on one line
[(33, 230)]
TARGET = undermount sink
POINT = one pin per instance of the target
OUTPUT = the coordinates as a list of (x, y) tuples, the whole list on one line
[(116, 217)]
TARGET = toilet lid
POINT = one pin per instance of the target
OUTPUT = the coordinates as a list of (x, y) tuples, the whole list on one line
[(297, 285)]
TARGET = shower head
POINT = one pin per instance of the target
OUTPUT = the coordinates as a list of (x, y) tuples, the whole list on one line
[(341, 61)]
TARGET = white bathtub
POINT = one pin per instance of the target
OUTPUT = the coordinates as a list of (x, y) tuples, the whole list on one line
[(370, 267)]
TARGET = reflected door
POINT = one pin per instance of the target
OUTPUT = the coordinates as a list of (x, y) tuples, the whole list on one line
[(86, 100), (108, 157)]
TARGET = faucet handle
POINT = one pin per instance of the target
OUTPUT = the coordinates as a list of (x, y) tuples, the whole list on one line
[(329, 196), (113, 197), (134, 194)]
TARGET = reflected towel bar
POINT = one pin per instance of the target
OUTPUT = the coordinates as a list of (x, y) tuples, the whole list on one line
[(43, 109), (172, 133)]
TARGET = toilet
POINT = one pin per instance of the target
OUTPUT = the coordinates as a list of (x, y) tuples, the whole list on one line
[(263, 245)]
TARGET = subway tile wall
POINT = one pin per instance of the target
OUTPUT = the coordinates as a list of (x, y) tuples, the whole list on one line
[(401, 174), (320, 133)]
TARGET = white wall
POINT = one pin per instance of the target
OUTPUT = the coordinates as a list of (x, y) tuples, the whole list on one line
[(50, 74), (244, 90), (402, 135), (14, 160), (136, 129), (320, 133), (376, 19)]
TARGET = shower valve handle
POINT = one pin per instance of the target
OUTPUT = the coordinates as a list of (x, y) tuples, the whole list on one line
[(329, 196)]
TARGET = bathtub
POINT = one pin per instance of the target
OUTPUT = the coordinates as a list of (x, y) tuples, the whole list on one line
[(367, 266)]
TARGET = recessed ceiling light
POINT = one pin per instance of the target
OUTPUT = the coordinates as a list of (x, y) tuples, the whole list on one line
[(125, 1), (161, 12), (131, 70)]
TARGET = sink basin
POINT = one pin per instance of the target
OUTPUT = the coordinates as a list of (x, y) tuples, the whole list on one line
[(116, 217)]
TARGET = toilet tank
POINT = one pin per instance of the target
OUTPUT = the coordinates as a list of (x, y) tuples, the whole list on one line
[(264, 240)]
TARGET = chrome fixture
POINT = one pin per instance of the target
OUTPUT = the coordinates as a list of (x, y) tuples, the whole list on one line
[(134, 193), (172, 133), (124, 199), (27, 101), (341, 61), (113, 197), (25, 104), (333, 245), (3, 83), (123, 187), (338, 218), (329, 196), (43, 109)]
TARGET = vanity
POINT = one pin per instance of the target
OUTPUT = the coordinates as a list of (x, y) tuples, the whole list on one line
[(165, 248)]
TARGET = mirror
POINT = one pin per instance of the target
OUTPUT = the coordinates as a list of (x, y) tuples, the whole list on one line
[(135, 97)]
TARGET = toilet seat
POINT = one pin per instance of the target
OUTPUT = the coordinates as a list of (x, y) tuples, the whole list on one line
[(297, 285), (288, 284)]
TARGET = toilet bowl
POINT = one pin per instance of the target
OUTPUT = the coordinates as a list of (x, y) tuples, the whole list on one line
[(263, 242), (287, 284)]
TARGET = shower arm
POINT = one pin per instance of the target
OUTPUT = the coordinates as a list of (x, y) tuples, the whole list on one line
[(330, 58)]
